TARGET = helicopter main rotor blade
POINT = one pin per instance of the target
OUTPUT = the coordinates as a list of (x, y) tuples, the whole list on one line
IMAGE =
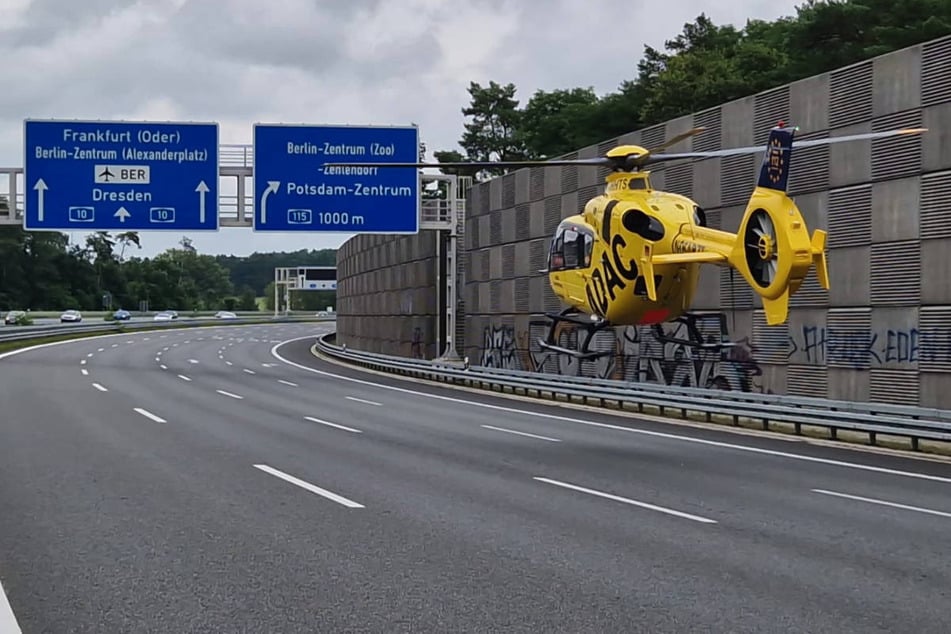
[(677, 139), (595, 162), (753, 149)]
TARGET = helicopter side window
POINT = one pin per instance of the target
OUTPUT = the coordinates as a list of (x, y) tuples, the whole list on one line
[(588, 248), (647, 227), (573, 249)]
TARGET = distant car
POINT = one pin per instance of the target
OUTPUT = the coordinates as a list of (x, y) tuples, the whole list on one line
[(13, 316), (224, 314), (164, 316), (122, 315), (172, 313), (71, 316)]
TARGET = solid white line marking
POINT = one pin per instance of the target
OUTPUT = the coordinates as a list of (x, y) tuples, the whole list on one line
[(329, 424), (164, 367), (883, 503), (229, 394), (617, 498), (309, 487), (8, 620), (250, 371), (630, 430), (287, 383), (183, 377), (150, 415), (99, 387), (520, 433), (85, 372), (362, 400)]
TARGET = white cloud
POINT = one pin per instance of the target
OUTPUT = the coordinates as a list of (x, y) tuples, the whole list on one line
[(314, 61)]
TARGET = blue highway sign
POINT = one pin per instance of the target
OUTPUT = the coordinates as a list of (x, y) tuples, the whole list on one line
[(120, 176), (294, 192)]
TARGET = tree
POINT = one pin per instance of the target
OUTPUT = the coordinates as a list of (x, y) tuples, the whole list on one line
[(491, 134)]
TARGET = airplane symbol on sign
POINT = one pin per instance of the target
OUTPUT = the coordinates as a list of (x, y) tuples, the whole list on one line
[(106, 175)]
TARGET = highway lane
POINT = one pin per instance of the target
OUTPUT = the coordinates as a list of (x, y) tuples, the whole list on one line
[(455, 531)]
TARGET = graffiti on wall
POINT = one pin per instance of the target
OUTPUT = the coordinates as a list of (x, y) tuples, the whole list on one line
[(867, 348), (670, 354)]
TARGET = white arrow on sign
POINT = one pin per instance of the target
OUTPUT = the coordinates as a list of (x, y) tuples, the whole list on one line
[(202, 189), (272, 187), (122, 214), (40, 187)]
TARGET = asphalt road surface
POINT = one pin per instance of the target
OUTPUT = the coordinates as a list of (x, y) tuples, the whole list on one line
[(215, 479)]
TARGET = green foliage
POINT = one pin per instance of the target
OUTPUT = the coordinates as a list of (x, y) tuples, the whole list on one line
[(705, 65), (43, 271)]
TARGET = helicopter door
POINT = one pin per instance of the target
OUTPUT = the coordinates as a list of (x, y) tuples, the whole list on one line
[(575, 249)]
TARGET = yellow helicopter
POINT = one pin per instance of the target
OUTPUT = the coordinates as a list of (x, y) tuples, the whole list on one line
[(633, 254)]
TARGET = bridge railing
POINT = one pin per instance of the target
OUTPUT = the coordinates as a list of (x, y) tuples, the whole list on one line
[(772, 411)]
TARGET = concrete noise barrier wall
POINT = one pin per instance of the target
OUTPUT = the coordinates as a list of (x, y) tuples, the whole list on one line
[(883, 332)]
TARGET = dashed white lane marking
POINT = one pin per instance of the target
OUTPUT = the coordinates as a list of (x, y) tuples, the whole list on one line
[(99, 387), (83, 362), (617, 498), (249, 371), (229, 394), (339, 499), (520, 433), (8, 621), (183, 377), (164, 367), (287, 383), (896, 505), (193, 361), (100, 350), (115, 345), (621, 428), (85, 372), (150, 415), (228, 363), (363, 400), (90, 354), (329, 424)]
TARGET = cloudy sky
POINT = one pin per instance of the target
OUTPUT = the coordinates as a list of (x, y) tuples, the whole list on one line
[(314, 61)]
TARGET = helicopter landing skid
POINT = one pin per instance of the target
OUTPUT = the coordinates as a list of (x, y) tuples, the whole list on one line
[(695, 336), (583, 322)]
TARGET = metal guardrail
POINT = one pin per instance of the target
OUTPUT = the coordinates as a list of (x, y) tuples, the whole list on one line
[(24, 333), (873, 419)]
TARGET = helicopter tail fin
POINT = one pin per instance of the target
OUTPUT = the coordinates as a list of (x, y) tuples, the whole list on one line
[(774, 171)]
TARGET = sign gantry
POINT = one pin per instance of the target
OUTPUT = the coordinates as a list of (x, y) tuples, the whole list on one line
[(165, 176)]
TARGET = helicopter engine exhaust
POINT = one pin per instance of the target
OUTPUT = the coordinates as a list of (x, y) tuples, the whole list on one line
[(773, 248)]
